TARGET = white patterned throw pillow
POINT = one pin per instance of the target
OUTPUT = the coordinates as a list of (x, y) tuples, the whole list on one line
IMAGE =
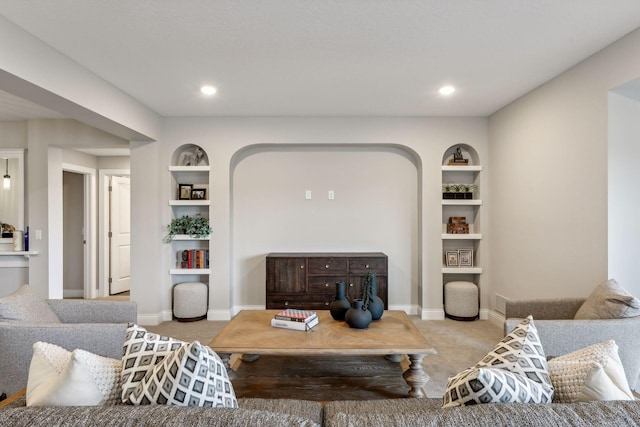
[(163, 370), (515, 370), (193, 375), (592, 373), (492, 385), (141, 352), (58, 377)]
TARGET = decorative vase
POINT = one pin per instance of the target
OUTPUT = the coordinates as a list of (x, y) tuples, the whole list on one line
[(357, 317), (376, 305), (340, 305)]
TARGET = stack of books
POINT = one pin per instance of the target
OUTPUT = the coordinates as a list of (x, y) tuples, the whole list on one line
[(299, 320)]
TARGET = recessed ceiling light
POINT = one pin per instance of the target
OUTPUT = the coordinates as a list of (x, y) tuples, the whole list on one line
[(208, 90), (447, 90)]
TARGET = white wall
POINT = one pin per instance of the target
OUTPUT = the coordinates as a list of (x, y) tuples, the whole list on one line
[(375, 210), (549, 180), (624, 203), (226, 139)]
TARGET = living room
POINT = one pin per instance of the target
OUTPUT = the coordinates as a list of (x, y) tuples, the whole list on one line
[(537, 240), (548, 118)]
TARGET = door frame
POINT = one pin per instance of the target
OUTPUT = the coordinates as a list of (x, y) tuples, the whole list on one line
[(103, 229), (89, 226)]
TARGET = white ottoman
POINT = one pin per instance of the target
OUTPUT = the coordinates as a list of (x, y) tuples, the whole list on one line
[(190, 301), (461, 300)]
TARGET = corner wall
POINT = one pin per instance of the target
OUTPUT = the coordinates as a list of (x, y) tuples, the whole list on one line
[(549, 180)]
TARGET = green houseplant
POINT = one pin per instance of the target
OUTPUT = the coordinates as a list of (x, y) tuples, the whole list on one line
[(370, 298), (193, 226)]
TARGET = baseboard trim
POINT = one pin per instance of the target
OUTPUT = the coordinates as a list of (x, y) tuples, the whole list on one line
[(409, 309), (431, 314), (496, 318), (149, 319)]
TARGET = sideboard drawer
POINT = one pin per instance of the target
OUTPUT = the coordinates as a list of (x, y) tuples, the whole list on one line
[(329, 265), (302, 302), (362, 265), (324, 284)]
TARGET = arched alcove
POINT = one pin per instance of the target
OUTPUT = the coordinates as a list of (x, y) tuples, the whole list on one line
[(377, 207)]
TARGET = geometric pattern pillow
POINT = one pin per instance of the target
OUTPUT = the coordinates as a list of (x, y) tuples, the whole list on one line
[(609, 300), (142, 351), (590, 374), (493, 385), (521, 353), (25, 305), (193, 375), (58, 377)]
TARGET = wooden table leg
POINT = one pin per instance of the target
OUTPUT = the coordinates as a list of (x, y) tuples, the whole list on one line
[(226, 360), (416, 377)]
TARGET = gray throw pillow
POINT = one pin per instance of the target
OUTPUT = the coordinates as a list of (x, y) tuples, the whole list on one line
[(26, 306), (609, 301)]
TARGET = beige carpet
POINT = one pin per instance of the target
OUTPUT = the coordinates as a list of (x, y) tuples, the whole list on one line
[(459, 345)]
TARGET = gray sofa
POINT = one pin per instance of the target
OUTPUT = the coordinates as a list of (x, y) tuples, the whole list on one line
[(95, 326), (561, 334), (282, 412)]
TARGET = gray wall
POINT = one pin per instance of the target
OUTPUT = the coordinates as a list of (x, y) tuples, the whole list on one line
[(549, 180)]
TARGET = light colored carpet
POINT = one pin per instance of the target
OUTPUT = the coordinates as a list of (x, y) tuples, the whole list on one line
[(459, 344)]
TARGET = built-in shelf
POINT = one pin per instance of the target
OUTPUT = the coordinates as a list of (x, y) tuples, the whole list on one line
[(189, 168), (461, 202), (187, 237), (462, 270), (470, 236), (187, 271), (25, 254), (472, 168), (189, 202)]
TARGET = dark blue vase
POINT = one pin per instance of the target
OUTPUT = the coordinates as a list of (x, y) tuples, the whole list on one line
[(356, 317), (340, 305), (376, 305)]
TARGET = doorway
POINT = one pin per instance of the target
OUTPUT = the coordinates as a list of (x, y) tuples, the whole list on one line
[(119, 235)]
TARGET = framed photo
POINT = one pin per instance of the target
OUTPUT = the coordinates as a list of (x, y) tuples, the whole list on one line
[(184, 191), (198, 194), (452, 258), (465, 257)]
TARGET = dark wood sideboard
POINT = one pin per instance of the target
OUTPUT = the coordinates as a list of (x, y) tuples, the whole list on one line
[(307, 281)]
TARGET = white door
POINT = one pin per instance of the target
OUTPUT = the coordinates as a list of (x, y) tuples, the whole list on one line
[(120, 233)]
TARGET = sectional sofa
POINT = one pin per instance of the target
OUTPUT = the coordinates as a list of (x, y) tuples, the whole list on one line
[(283, 412)]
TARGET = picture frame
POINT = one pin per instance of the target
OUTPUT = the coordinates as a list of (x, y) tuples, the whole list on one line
[(198, 193), (451, 258), (465, 257), (184, 191)]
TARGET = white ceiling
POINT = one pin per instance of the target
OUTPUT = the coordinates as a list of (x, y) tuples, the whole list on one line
[(325, 57)]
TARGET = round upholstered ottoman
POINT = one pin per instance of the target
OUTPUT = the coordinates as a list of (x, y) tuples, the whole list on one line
[(461, 300), (190, 301)]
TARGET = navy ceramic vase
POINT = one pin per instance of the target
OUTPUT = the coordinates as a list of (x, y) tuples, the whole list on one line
[(376, 305), (340, 305), (356, 317)]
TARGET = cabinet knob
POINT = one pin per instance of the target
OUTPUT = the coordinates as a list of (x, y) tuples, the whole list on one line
[(326, 303), (326, 266), (326, 285), (302, 266), (351, 284), (286, 303), (366, 266)]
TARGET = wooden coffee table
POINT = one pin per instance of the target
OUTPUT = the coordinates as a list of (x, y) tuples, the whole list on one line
[(250, 333)]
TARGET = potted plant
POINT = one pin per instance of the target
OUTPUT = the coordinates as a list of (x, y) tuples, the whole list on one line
[(370, 298), (449, 191), (468, 189), (193, 226)]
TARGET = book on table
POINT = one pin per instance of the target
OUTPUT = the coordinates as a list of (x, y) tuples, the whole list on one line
[(294, 315), (295, 325)]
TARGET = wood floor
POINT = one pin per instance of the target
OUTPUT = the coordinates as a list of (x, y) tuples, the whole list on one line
[(320, 378)]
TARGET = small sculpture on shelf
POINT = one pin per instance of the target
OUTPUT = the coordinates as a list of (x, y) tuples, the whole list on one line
[(7, 229), (458, 159)]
